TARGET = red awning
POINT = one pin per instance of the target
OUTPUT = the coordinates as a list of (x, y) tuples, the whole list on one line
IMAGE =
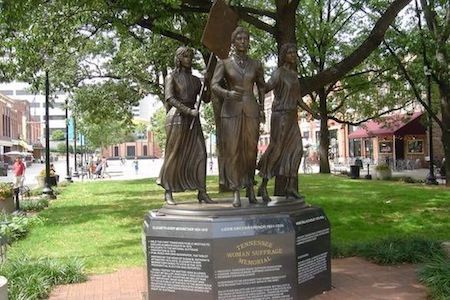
[(391, 125)]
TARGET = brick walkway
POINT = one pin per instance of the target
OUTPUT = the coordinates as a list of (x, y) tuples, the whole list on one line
[(353, 278)]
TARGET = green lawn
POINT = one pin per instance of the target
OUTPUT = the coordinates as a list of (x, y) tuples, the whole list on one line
[(101, 221)]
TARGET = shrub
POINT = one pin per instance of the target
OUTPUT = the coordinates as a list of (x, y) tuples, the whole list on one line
[(382, 167), (36, 192), (396, 250), (436, 276), (42, 172), (34, 205), (6, 190), (33, 278), (16, 227)]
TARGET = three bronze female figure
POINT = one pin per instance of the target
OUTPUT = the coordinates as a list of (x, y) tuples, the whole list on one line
[(234, 81)]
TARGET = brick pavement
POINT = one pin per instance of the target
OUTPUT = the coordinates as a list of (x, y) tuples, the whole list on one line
[(352, 278)]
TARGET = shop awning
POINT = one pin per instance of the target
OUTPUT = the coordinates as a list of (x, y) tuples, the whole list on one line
[(398, 125)]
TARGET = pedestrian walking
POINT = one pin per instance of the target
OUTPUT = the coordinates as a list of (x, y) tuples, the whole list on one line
[(104, 171), (136, 165), (19, 173)]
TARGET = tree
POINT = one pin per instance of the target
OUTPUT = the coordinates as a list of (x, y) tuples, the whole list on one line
[(61, 148), (424, 43), (58, 135), (140, 129), (158, 127), (131, 43), (208, 124), (324, 28), (73, 24)]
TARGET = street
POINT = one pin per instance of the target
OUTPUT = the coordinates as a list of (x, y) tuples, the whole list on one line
[(149, 168)]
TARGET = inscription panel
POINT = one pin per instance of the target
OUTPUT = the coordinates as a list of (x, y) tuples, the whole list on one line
[(313, 252), (260, 266), (179, 266)]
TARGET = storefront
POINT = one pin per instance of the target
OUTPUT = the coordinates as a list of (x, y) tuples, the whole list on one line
[(391, 139)]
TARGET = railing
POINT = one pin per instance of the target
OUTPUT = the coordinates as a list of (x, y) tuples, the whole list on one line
[(400, 165)]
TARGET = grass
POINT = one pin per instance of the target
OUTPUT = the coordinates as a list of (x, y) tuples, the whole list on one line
[(436, 275), (33, 278), (101, 222)]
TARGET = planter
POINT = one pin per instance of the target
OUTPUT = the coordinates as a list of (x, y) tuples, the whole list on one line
[(53, 180), (384, 174), (3, 288), (7, 205)]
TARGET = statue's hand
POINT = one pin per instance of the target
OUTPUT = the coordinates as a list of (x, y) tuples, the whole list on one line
[(235, 94), (193, 112)]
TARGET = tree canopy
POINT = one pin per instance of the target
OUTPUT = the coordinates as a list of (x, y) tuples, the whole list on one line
[(108, 54)]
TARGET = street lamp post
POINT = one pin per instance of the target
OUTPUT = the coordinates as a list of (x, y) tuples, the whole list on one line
[(431, 179), (81, 158), (211, 163), (68, 178), (47, 191), (75, 172)]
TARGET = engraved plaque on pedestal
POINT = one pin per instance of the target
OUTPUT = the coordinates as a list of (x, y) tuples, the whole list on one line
[(207, 252)]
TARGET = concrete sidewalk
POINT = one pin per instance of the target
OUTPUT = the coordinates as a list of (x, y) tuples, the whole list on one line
[(352, 278)]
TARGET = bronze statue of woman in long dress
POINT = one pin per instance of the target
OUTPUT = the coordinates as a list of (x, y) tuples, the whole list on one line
[(184, 166), (240, 115), (285, 151)]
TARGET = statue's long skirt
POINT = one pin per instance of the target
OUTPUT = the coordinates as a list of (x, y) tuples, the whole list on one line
[(239, 149), (184, 166), (284, 153)]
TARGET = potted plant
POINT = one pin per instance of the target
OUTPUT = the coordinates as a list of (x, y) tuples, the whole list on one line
[(6, 197), (53, 179), (383, 171)]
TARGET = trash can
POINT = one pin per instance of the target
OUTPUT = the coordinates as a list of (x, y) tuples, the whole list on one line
[(354, 172)]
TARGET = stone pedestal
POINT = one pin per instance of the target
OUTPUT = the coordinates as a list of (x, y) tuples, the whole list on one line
[(3, 288), (209, 252)]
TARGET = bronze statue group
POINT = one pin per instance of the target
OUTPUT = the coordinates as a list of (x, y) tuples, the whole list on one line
[(234, 80)]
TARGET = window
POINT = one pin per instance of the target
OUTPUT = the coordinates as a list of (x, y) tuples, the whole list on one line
[(116, 151), (131, 151), (355, 148), (306, 135), (415, 146), (385, 147), (368, 146), (144, 150)]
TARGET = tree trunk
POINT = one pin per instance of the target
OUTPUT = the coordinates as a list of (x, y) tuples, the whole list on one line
[(285, 25), (324, 133), (444, 91)]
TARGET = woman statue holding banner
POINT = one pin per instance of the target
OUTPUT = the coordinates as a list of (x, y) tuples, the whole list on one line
[(184, 166)]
